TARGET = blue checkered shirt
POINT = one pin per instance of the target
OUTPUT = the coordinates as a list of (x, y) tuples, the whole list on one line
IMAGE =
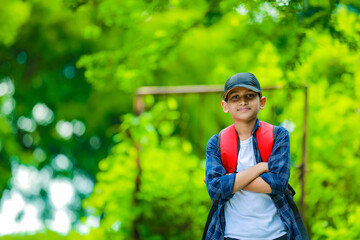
[(220, 185)]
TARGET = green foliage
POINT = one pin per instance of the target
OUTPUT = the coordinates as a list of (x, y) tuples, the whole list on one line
[(85, 59), (330, 67), (14, 15), (151, 185)]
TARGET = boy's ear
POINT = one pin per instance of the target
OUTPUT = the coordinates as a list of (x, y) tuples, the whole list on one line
[(262, 102), (225, 106)]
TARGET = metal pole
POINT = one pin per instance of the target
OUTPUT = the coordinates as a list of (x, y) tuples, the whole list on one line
[(303, 166)]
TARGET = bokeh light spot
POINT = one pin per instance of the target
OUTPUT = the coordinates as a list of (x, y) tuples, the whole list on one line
[(26, 124), (39, 154), (95, 142), (61, 163), (61, 192), (6, 87), (83, 184), (28, 140), (65, 129), (8, 106), (42, 114), (69, 71), (61, 222), (22, 57), (26, 178), (290, 126), (78, 127)]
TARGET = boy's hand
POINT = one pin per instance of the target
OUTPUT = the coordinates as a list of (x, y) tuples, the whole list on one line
[(265, 166)]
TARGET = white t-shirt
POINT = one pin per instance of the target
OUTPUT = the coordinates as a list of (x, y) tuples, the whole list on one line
[(250, 215)]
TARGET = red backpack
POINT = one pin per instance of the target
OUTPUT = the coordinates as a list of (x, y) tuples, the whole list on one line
[(229, 147)]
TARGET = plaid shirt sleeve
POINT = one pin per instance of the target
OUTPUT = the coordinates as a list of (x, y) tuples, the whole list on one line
[(279, 163), (219, 185)]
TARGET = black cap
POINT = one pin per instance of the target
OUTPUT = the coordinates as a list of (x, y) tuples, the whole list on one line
[(246, 80)]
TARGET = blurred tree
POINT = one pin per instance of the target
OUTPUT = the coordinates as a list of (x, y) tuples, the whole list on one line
[(150, 186), (48, 107)]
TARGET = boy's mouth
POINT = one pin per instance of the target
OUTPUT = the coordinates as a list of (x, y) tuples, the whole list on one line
[(243, 109)]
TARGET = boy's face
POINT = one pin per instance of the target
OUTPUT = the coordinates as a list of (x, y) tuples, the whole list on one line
[(243, 104)]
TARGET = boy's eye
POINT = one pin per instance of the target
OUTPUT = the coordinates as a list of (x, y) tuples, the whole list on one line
[(237, 97)]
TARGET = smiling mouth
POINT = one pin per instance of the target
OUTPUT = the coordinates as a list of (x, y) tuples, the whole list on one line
[(243, 109)]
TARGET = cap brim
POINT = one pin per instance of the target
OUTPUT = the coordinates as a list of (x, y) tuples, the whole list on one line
[(240, 85)]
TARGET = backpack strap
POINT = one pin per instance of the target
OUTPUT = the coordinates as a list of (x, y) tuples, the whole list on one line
[(265, 140), (228, 144), (299, 222)]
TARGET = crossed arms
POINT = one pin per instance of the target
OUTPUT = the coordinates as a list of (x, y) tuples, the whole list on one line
[(249, 179), (271, 177)]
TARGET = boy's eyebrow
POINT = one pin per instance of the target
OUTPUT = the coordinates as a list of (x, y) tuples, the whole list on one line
[(247, 91)]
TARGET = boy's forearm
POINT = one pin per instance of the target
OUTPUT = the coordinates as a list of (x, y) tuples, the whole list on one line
[(247, 176), (258, 185)]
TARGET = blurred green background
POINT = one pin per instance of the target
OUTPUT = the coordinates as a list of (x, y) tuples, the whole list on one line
[(77, 163)]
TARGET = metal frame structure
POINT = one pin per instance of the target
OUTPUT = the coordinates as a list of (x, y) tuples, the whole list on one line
[(207, 89)]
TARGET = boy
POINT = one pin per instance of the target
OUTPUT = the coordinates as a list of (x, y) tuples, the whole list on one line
[(251, 201)]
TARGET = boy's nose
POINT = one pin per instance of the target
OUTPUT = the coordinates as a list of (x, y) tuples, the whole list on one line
[(243, 101)]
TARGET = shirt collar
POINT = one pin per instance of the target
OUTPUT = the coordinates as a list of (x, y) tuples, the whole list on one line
[(257, 124)]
